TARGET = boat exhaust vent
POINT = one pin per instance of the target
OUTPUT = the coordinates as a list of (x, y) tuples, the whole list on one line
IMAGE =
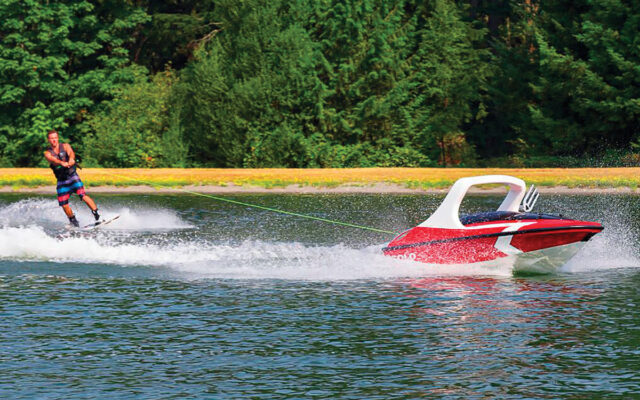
[(530, 199)]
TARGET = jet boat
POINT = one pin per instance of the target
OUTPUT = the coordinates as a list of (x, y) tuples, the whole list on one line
[(512, 235)]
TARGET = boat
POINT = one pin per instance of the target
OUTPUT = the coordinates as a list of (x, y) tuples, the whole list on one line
[(512, 235)]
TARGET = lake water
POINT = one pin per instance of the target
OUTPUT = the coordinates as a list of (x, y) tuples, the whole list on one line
[(187, 297)]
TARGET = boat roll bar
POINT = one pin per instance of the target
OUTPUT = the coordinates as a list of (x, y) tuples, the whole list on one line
[(447, 216)]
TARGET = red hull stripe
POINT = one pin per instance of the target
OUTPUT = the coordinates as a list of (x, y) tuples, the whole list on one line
[(497, 234)]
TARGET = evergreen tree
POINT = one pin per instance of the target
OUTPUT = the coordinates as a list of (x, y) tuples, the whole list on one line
[(450, 79), (177, 28), (134, 129), (588, 91), (249, 99), (322, 83), (366, 72), (567, 83), (401, 76), (509, 90), (57, 60)]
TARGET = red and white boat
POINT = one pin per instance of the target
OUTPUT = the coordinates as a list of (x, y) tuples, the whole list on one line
[(512, 235)]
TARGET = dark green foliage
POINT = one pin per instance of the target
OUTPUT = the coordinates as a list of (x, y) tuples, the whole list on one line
[(249, 100), (322, 83), (133, 129), (568, 81), (365, 73), (331, 84), (177, 28), (506, 120), (597, 102), (450, 79), (57, 60)]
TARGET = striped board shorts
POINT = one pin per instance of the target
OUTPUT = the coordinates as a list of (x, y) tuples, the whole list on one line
[(66, 188)]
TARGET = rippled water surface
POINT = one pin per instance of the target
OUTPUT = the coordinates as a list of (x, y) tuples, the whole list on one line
[(185, 297)]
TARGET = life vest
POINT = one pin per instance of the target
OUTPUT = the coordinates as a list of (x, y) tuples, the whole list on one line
[(59, 171)]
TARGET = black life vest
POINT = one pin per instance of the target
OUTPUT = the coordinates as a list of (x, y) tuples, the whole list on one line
[(59, 171)]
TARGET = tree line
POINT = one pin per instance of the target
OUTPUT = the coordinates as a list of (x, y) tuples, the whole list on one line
[(322, 83)]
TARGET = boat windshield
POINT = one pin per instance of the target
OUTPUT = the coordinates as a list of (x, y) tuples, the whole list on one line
[(504, 216)]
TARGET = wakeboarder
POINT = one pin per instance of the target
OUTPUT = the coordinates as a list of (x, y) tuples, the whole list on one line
[(62, 160)]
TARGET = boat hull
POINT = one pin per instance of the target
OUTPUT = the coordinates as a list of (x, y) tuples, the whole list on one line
[(545, 261), (536, 245)]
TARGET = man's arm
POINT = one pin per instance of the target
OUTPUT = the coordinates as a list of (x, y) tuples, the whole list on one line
[(52, 159), (72, 155)]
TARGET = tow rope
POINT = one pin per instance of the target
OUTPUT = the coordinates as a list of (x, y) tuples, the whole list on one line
[(242, 203)]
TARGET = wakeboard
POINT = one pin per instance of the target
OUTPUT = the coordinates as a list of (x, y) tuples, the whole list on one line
[(90, 227), (99, 224), (84, 231)]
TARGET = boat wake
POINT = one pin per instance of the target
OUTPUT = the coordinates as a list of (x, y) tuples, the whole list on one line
[(249, 259), (47, 214)]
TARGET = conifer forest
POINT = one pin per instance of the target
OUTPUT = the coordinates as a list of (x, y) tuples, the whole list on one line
[(322, 83)]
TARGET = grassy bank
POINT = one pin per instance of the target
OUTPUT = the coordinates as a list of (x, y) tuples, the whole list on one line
[(413, 178)]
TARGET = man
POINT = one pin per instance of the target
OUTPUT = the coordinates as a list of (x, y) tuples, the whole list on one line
[(62, 160)]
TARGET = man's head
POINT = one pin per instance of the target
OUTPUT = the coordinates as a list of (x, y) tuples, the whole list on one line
[(52, 137)]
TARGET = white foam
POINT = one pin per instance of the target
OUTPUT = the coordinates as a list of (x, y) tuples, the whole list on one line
[(143, 220), (246, 260), (614, 248), (32, 211), (47, 213), (617, 246)]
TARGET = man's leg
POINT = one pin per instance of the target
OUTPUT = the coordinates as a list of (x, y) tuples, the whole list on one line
[(90, 202), (64, 190), (92, 205), (69, 212)]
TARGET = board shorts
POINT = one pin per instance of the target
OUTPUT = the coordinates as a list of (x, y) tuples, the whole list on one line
[(69, 186)]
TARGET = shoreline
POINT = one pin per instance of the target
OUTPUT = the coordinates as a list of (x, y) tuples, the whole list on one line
[(376, 188), (320, 181)]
